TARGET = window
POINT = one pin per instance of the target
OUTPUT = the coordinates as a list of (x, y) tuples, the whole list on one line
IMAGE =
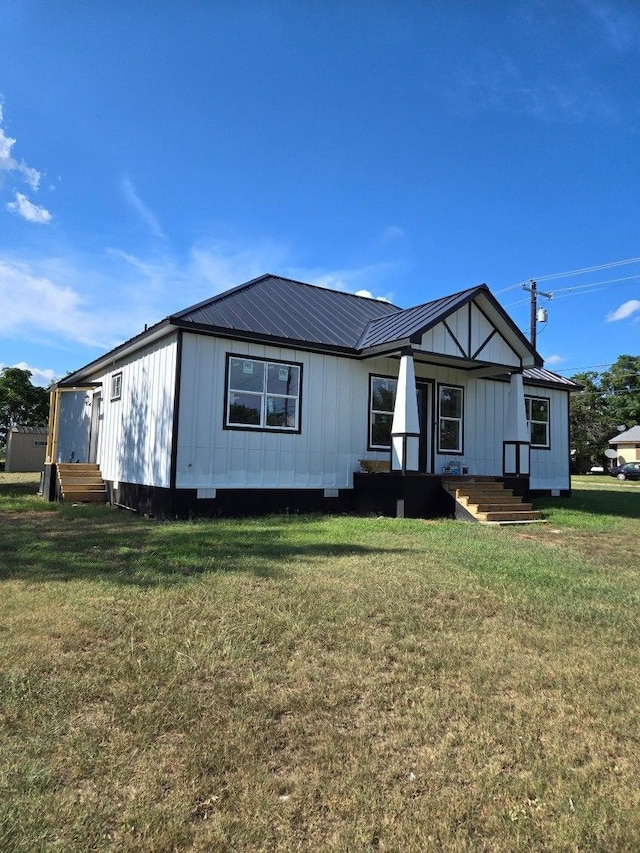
[(116, 386), (382, 398), (262, 394), (537, 409), (450, 413)]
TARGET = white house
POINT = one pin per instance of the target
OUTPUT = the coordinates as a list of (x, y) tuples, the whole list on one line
[(269, 397)]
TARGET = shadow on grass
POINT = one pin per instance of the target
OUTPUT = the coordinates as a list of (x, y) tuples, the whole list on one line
[(94, 543), (596, 502)]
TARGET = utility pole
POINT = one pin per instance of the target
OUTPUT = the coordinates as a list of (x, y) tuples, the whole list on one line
[(532, 288)]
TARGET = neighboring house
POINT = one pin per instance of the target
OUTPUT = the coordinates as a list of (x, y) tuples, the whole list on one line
[(627, 445), (26, 446), (268, 396)]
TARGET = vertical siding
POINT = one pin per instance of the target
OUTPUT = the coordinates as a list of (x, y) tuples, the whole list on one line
[(135, 431), (334, 422)]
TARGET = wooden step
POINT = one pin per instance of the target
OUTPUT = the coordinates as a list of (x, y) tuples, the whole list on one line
[(487, 501), (81, 482)]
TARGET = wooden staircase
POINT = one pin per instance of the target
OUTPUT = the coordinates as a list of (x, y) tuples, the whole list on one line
[(486, 500), (81, 482)]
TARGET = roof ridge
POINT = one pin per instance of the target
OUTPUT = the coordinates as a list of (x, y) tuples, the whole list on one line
[(254, 281)]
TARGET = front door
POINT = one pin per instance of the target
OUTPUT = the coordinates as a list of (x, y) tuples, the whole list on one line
[(424, 391)]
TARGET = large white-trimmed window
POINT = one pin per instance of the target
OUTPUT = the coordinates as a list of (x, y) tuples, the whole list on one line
[(450, 418), (538, 418), (116, 386), (262, 394), (382, 398)]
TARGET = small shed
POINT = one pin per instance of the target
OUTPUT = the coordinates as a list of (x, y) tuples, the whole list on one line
[(26, 448), (627, 445)]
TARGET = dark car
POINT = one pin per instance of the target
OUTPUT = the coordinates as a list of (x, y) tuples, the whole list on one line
[(628, 471)]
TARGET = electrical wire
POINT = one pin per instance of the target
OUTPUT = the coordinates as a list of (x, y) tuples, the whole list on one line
[(582, 271)]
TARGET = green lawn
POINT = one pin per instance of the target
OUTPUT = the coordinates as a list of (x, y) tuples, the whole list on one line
[(319, 683)]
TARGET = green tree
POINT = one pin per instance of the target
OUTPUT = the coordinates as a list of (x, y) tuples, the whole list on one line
[(20, 402), (621, 385), (590, 422)]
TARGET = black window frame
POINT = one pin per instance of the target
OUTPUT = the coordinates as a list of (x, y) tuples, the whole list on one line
[(445, 451), (528, 399), (261, 427), (378, 447)]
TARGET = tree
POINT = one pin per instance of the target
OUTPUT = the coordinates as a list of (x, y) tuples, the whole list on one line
[(20, 402), (621, 384), (607, 401)]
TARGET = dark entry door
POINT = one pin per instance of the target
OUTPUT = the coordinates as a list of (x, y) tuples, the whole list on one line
[(424, 391)]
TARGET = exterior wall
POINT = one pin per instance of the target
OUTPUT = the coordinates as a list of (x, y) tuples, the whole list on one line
[(475, 337), (550, 468), (323, 455), (627, 453), (26, 450), (134, 443), (334, 424)]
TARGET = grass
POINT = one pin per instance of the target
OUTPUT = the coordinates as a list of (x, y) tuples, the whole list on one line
[(319, 683)]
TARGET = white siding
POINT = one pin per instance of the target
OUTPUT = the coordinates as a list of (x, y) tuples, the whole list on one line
[(334, 422), (135, 431), (471, 335)]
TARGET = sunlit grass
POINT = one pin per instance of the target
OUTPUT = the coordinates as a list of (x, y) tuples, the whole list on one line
[(320, 683)]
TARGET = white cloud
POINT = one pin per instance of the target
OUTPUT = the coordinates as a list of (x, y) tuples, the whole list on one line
[(44, 378), (10, 164), (368, 295), (624, 311), (620, 26), (554, 359), (145, 213), (29, 211)]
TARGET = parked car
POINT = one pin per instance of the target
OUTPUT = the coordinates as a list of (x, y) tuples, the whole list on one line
[(628, 471)]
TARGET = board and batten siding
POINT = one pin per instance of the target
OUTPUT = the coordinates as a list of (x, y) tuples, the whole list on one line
[(324, 455), (468, 333), (135, 431)]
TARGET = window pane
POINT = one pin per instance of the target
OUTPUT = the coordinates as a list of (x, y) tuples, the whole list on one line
[(244, 408), (451, 402), (383, 394), (282, 379), (281, 412), (539, 410), (246, 375), (539, 434), (449, 435), (381, 430)]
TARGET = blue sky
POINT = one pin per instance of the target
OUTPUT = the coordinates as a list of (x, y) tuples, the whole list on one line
[(153, 154)]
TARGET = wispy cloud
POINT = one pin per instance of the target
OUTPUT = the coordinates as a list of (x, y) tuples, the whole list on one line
[(144, 212), (28, 210), (627, 309), (9, 166), (554, 359), (619, 24)]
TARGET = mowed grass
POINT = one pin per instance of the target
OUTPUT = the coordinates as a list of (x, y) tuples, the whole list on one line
[(320, 683)]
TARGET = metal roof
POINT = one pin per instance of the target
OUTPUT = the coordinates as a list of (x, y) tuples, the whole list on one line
[(282, 308), (31, 430), (413, 321), (629, 436), (548, 377)]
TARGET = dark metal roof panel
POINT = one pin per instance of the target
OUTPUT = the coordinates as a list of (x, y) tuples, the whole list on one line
[(548, 377), (292, 310), (414, 320)]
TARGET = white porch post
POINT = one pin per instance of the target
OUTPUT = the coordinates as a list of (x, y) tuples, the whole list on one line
[(516, 444), (405, 429)]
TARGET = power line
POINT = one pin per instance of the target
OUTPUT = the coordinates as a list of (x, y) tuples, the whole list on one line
[(582, 271)]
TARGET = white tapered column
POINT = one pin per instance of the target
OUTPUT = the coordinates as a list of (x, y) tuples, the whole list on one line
[(405, 429), (516, 445)]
